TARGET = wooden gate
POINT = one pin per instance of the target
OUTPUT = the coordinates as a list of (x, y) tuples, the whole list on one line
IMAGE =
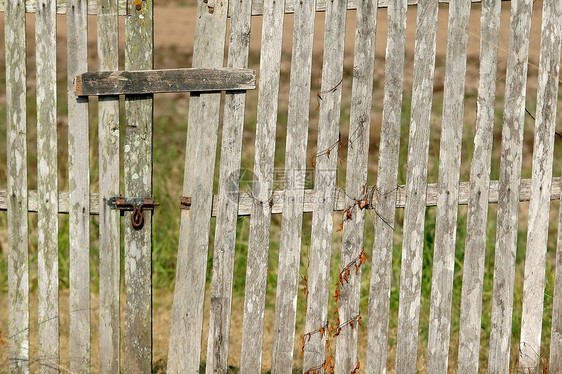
[(331, 338)]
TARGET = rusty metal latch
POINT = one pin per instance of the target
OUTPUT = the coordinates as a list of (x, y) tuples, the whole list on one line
[(134, 204), (185, 203)]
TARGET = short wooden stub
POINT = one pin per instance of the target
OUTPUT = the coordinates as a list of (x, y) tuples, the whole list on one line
[(164, 81)]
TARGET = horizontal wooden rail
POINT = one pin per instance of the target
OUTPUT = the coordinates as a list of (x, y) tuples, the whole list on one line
[(164, 81), (257, 6), (245, 202)]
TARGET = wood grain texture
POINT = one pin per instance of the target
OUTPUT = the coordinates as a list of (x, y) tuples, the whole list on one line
[(417, 191), (165, 81), (47, 215), (31, 6), (262, 187), (555, 362), (448, 186), (318, 283), (530, 359), (109, 221), (18, 257), (477, 216), (225, 230), (139, 55), (356, 178), (385, 199), (79, 188), (510, 175), (189, 295)]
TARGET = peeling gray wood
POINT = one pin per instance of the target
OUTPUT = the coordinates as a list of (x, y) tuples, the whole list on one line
[(18, 257), (165, 81), (79, 182), (530, 359), (189, 295), (477, 216), (257, 8), (318, 283), (356, 180), (510, 175), (139, 45), (47, 215), (31, 6), (555, 362), (225, 231), (262, 188), (109, 222), (418, 193), (448, 189), (389, 147)]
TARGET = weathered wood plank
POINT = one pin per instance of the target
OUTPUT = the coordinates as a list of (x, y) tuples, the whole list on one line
[(262, 188), (79, 188), (225, 231), (18, 257), (356, 179), (109, 244), (555, 362), (477, 216), (318, 283), (417, 191), (164, 81), (539, 207), (184, 351), (385, 200), (340, 202), (139, 45), (510, 175), (31, 6), (448, 186), (47, 215)]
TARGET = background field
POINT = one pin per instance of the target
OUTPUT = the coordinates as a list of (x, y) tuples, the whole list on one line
[(174, 29)]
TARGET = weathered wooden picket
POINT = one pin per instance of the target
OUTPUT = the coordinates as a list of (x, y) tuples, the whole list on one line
[(207, 78)]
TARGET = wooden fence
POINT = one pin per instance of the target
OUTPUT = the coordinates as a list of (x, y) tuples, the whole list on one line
[(330, 343)]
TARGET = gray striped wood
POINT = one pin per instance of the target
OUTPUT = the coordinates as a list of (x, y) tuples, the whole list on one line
[(414, 210), (61, 6), (139, 46), (295, 165), (79, 188), (189, 295), (448, 185), (18, 257), (477, 216), (555, 361), (47, 215), (356, 178), (385, 200), (324, 185), (258, 242), (109, 222), (510, 175), (225, 231), (539, 207)]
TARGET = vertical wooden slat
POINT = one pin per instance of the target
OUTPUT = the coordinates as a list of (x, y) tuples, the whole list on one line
[(109, 245), (510, 176), (448, 188), (225, 232), (139, 46), (295, 165), (539, 206), (47, 190), (477, 216), (258, 244), (387, 180), (18, 258), (356, 178), (79, 186), (324, 187), (555, 362), (184, 351)]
